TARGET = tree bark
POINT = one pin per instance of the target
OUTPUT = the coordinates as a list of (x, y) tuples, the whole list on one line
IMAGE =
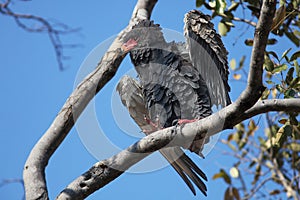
[(34, 169)]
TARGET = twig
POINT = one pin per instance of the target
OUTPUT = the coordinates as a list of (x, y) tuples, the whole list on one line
[(254, 191), (52, 30)]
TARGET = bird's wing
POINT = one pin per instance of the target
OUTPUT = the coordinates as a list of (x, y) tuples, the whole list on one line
[(208, 55), (132, 98)]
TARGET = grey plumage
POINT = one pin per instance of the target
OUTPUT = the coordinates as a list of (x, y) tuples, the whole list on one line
[(208, 55), (132, 98), (177, 81)]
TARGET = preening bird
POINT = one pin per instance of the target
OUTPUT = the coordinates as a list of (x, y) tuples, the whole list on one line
[(178, 83)]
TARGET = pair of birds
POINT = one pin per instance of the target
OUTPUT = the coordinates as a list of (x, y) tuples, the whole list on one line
[(178, 83)]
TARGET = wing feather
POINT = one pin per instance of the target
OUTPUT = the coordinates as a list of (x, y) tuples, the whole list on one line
[(208, 55), (132, 98)]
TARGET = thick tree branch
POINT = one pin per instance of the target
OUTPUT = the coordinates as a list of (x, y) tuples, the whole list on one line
[(34, 169), (264, 106), (106, 171), (255, 87)]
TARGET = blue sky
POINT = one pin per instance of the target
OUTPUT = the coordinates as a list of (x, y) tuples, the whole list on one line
[(34, 90)]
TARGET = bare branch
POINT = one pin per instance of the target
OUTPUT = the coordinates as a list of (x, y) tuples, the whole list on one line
[(255, 87), (34, 170), (290, 191), (13, 180), (251, 23), (106, 170), (263, 106), (54, 31), (255, 190)]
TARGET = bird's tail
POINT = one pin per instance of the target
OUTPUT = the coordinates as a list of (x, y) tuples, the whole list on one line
[(132, 97), (186, 168)]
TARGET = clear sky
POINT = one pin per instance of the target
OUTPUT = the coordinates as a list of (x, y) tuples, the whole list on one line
[(34, 89)]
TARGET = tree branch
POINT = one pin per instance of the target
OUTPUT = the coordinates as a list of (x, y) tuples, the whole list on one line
[(263, 106), (251, 23), (54, 30), (34, 169), (105, 171), (255, 87)]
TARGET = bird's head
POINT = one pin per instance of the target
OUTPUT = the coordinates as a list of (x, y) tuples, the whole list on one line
[(145, 34)]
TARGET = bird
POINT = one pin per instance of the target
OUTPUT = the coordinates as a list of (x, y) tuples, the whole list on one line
[(178, 83)]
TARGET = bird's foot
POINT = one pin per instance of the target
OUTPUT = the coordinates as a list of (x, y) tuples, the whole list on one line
[(185, 121), (153, 126)]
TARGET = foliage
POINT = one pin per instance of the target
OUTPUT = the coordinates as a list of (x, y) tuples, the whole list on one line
[(267, 161)]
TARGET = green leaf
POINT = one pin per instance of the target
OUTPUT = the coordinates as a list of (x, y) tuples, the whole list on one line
[(294, 147), (274, 192), (279, 68), (265, 94), (271, 41), (232, 64), (293, 119), (199, 3), (295, 81), (242, 61), (279, 88), (224, 175), (255, 9), (273, 54), (235, 193), (230, 137), (295, 56), (223, 29), (242, 143), (252, 125), (268, 64), (252, 163), (261, 141), (289, 93), (278, 18), (237, 76), (297, 68), (282, 135), (233, 6), (220, 6), (228, 195), (289, 75), (269, 82), (257, 174), (249, 42), (285, 53), (231, 147), (229, 23)]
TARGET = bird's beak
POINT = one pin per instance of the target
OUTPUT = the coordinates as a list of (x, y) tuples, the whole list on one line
[(130, 44)]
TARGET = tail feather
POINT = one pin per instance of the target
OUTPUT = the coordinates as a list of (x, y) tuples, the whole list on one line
[(132, 97), (186, 168)]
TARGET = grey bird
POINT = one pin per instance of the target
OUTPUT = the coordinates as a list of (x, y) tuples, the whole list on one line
[(178, 83)]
